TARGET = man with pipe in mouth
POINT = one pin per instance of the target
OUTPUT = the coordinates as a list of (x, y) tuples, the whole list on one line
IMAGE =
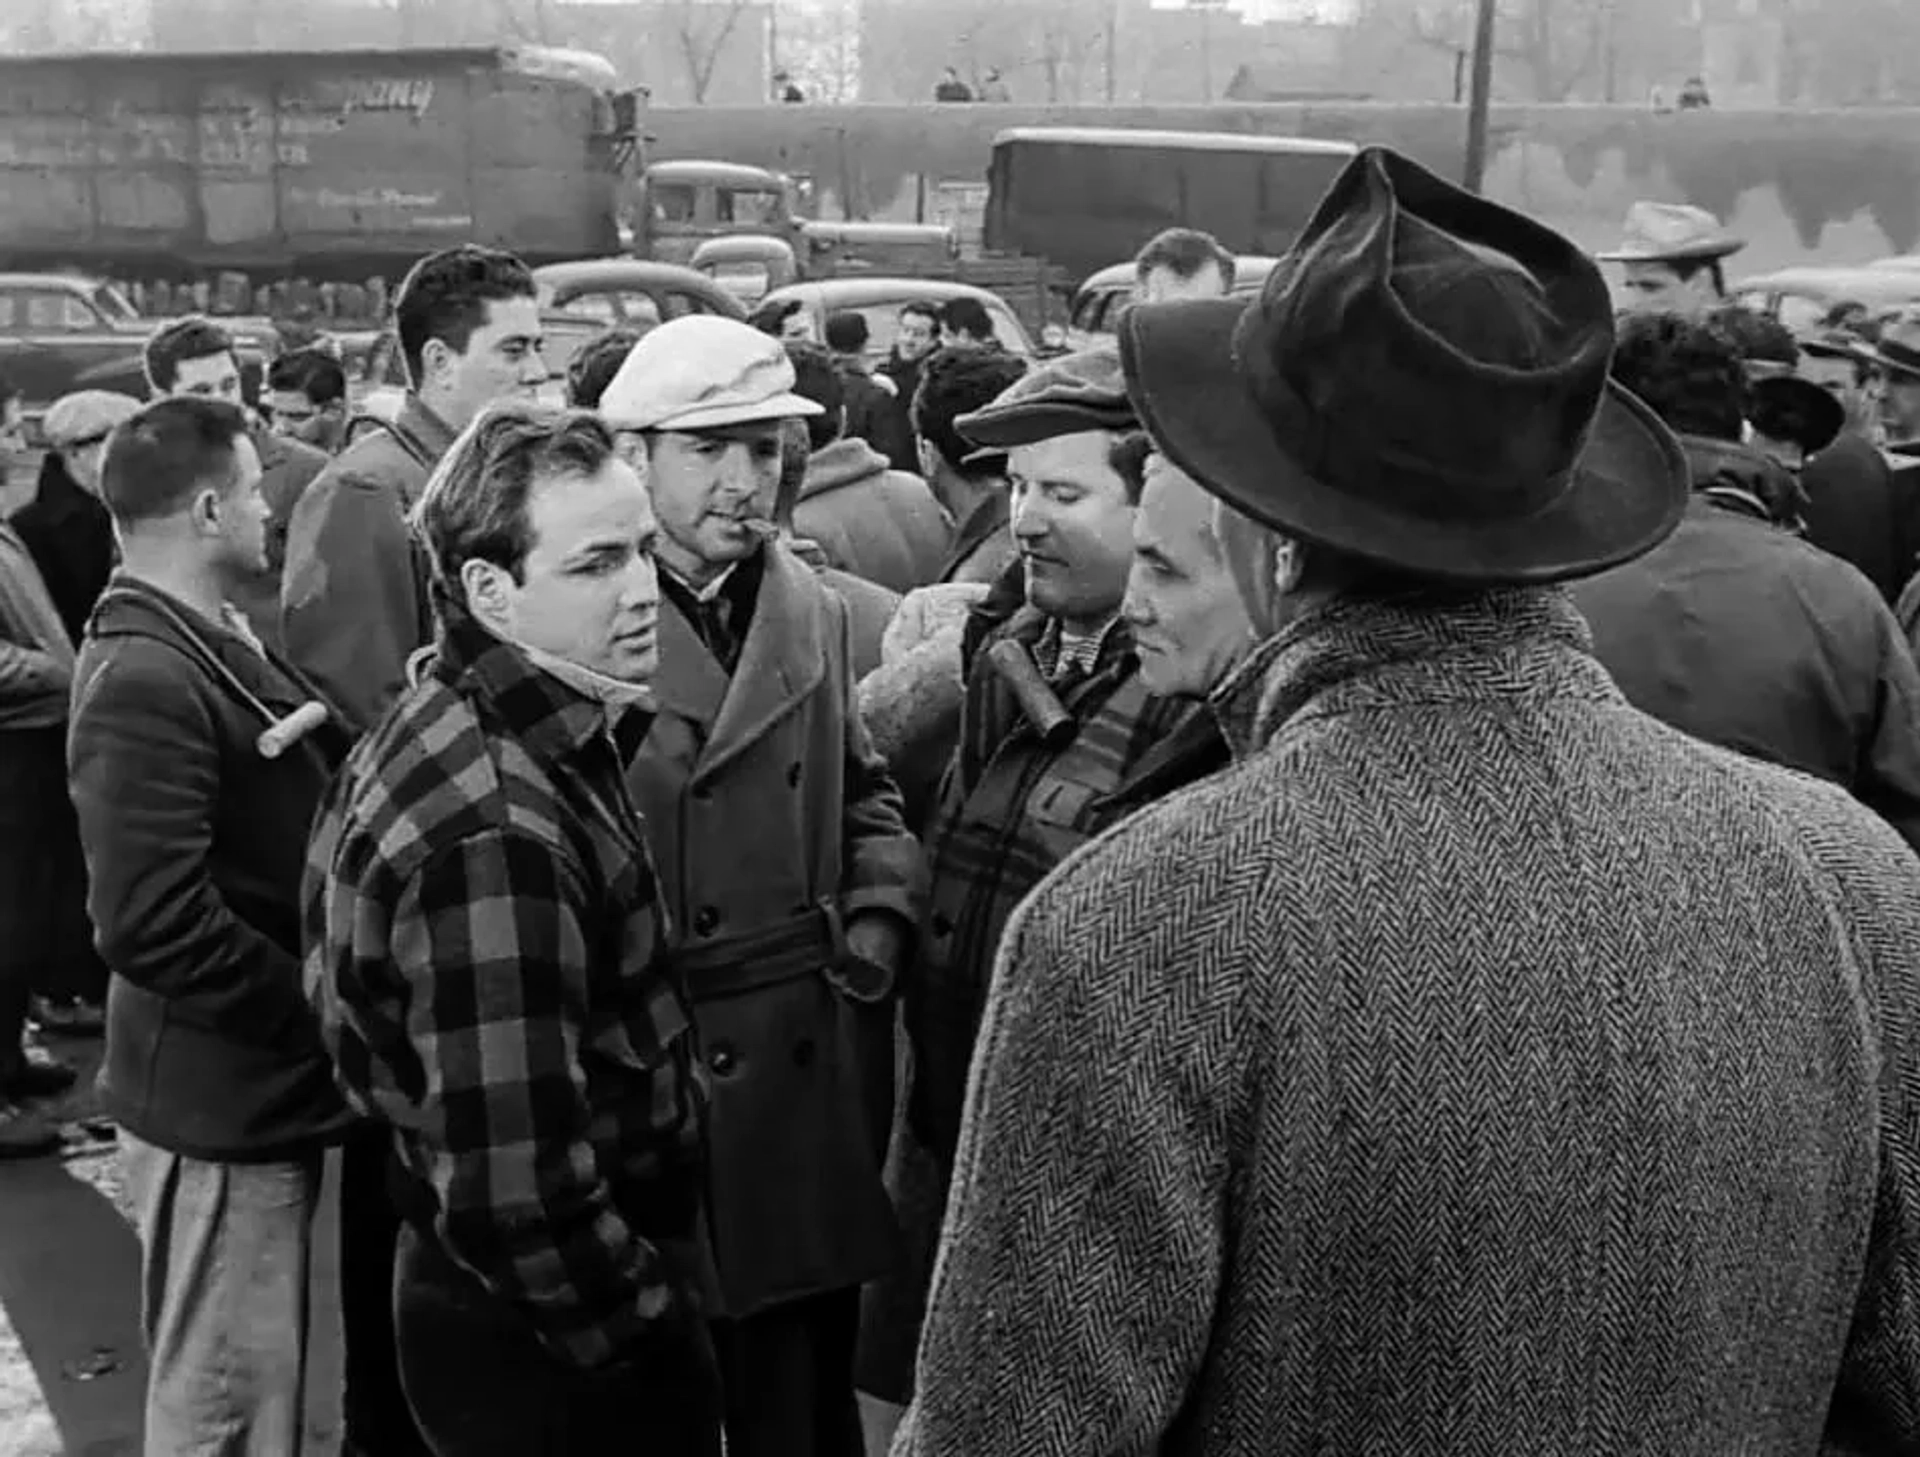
[(791, 882), (1062, 733)]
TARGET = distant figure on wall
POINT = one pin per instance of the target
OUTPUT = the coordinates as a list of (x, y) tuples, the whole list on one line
[(784, 90), (994, 89), (1693, 95), (951, 87)]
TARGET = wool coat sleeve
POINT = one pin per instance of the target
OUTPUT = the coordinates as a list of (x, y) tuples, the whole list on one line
[(1085, 1241), (1889, 780), (143, 760), (350, 604), (883, 864), (30, 681)]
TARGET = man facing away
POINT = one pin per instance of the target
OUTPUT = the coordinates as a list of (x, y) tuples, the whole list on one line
[(1478, 1065), (354, 598), (1736, 630), (875, 411), (789, 880), (869, 519), (971, 483), (193, 829), (1182, 263), (196, 357), (484, 936)]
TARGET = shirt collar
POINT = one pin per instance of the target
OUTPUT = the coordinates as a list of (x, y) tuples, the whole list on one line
[(551, 719)]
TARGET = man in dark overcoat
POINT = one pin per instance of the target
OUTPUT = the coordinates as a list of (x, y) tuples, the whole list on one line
[(790, 881), (1479, 1065)]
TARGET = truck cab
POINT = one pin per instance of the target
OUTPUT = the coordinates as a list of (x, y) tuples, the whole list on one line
[(682, 204)]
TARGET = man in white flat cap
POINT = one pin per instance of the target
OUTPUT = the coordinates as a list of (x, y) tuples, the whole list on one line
[(790, 879), (1675, 257)]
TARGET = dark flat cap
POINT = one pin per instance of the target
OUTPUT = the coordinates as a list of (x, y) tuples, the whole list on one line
[(1064, 396)]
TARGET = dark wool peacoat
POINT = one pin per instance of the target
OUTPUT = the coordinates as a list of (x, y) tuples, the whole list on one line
[(1480, 1066), (773, 821)]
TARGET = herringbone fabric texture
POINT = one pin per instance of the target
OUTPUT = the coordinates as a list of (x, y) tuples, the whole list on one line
[(1479, 1067)]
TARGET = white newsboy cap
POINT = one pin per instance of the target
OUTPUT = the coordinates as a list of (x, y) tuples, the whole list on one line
[(702, 371)]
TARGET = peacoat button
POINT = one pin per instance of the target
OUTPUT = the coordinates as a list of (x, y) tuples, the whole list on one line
[(793, 776), (722, 1060), (706, 921), (803, 1052)]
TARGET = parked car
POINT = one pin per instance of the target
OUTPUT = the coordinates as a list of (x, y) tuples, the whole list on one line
[(1801, 297), (61, 332), (747, 265), (842, 249), (880, 301), (578, 301), (1094, 314)]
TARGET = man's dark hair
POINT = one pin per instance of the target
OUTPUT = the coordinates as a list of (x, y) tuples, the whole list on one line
[(1687, 269), (796, 449), (1688, 372), (474, 507), (161, 458), (311, 372), (1759, 338), (967, 315), (847, 331), (445, 296), (922, 308), (1128, 456), (599, 360), (816, 377), (957, 382), (171, 345), (1184, 252), (769, 317)]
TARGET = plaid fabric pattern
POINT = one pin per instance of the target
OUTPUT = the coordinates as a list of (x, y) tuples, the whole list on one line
[(1010, 811), (482, 923)]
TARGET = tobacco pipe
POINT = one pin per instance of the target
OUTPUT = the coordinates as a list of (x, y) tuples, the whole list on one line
[(283, 733), (1038, 702)]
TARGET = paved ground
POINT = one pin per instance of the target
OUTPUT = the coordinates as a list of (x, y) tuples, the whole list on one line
[(71, 1372)]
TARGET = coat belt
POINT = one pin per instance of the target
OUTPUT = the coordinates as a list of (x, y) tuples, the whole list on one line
[(813, 941)]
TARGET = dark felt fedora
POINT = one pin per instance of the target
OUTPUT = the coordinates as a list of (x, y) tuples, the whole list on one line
[(1422, 383)]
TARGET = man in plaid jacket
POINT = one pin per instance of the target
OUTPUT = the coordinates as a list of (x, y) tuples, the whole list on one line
[(483, 922)]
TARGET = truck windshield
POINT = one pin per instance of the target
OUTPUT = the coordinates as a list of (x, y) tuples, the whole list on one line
[(751, 207)]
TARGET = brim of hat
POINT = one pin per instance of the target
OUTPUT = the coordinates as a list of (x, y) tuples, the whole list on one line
[(1829, 416), (1624, 497), (1029, 424), (778, 407), (1707, 248)]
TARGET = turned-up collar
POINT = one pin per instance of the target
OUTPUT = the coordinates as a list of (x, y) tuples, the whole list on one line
[(1345, 654)]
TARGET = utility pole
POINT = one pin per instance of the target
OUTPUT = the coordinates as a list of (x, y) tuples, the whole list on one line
[(1113, 47), (1481, 99)]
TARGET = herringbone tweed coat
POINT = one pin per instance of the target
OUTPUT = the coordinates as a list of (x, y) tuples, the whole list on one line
[(1479, 1067)]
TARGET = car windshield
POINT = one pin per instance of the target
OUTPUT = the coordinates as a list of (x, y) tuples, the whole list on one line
[(113, 305), (750, 207), (883, 327)]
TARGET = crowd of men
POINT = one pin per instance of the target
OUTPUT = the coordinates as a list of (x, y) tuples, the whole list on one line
[(1336, 877)]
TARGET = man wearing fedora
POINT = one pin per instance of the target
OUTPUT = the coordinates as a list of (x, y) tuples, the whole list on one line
[(1675, 258), (1478, 1065), (1734, 629), (790, 881)]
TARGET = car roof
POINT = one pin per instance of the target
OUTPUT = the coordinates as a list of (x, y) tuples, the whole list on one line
[(23, 280), (1093, 136), (853, 293), (1245, 266), (1868, 285), (688, 170)]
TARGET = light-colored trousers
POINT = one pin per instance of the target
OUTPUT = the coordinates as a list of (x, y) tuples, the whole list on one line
[(225, 1251)]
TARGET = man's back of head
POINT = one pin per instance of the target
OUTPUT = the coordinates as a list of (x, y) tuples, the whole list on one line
[(1182, 263), (965, 323), (956, 382), (847, 333), (816, 377)]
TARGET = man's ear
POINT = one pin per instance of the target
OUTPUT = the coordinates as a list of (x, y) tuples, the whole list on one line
[(485, 587)]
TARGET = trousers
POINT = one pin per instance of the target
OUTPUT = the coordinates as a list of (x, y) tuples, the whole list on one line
[(225, 1256), (482, 1385)]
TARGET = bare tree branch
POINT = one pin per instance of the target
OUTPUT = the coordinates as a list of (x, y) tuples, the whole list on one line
[(703, 55)]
